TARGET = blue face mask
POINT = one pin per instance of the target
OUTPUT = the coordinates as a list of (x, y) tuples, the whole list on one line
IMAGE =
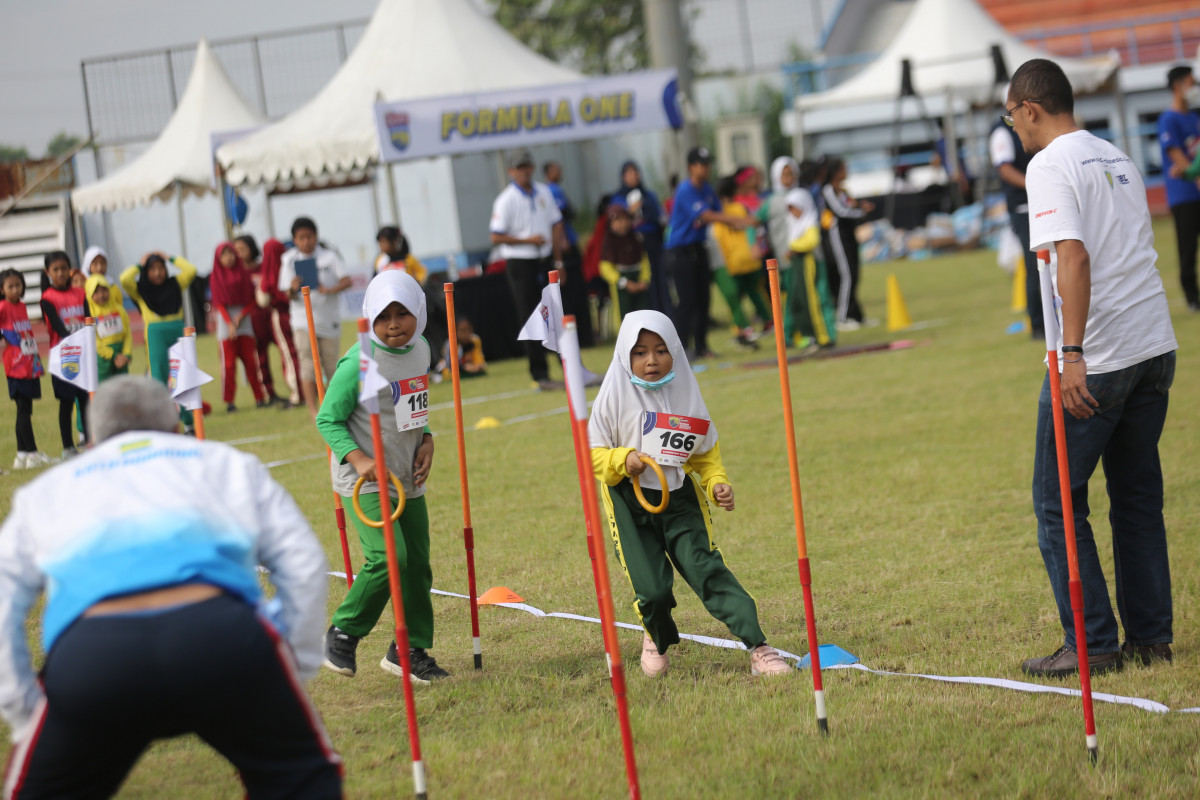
[(655, 385)]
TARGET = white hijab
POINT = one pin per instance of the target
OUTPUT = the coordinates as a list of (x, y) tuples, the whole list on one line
[(89, 256), (394, 286), (617, 413), (777, 173)]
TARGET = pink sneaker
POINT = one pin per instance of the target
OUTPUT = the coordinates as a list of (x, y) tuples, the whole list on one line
[(654, 663), (765, 660)]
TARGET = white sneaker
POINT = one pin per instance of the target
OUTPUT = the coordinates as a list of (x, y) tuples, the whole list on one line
[(39, 459), (765, 661), (849, 325), (654, 663), (21, 461)]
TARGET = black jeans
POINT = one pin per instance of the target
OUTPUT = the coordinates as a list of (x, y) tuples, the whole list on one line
[(1187, 231), (526, 278), (1123, 435), (114, 684), (25, 440), (690, 277)]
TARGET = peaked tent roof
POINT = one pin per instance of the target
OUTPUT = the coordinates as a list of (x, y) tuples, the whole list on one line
[(949, 44), (411, 49), (182, 154)]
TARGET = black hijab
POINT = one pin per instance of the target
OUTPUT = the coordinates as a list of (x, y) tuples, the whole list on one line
[(166, 298)]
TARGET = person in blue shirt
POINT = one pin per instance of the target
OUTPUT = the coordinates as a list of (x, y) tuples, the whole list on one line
[(1179, 135), (574, 290), (648, 218), (686, 256)]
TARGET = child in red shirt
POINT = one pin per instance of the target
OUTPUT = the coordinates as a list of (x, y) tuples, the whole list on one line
[(233, 300), (22, 366), (64, 310)]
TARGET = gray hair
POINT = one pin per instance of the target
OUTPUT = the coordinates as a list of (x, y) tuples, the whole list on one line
[(129, 403)]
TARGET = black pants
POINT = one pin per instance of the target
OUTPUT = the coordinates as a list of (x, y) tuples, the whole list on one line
[(689, 275), (1187, 231), (1033, 282), (25, 440), (840, 247), (575, 296), (114, 684), (526, 278), (660, 294), (67, 395)]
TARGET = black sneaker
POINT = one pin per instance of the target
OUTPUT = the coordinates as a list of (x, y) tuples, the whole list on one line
[(422, 666), (262, 404), (1147, 653), (231, 408), (340, 648)]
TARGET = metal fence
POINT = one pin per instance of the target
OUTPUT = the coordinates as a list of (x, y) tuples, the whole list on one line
[(130, 97)]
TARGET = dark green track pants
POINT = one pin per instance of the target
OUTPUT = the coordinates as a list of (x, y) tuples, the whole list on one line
[(364, 603), (648, 545)]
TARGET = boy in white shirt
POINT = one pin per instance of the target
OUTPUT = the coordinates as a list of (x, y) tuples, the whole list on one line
[(1117, 357), (331, 280)]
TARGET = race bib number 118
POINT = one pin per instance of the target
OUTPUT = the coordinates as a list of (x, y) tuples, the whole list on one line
[(411, 398), (670, 439)]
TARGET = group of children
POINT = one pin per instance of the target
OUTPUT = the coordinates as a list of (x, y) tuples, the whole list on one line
[(649, 379)]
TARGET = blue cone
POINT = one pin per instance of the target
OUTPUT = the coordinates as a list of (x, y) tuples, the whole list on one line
[(831, 656)]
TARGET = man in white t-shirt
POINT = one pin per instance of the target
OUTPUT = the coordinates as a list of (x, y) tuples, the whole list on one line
[(1116, 348), (331, 280), (526, 228)]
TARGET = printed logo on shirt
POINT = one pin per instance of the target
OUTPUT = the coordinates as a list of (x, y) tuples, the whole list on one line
[(1123, 180), (1041, 214)]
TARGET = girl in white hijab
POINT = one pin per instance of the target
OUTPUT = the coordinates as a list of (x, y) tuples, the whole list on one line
[(395, 305), (650, 405)]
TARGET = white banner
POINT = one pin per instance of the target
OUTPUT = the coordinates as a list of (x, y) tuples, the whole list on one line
[(186, 376), (608, 106), (73, 360)]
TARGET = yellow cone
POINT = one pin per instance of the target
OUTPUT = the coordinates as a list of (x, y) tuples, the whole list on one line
[(1018, 294), (487, 422), (897, 312)]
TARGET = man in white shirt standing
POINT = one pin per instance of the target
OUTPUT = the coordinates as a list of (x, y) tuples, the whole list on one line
[(527, 228), (1117, 357), (331, 280)]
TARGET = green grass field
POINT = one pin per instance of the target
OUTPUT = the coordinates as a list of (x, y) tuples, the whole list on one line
[(916, 466)]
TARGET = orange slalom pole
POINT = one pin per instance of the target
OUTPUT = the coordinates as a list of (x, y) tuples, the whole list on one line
[(339, 512), (569, 352), (198, 414), (468, 529), (785, 389), (1074, 584), (401, 627)]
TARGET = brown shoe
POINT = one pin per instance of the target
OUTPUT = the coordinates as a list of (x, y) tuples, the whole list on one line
[(1146, 653), (1065, 661)]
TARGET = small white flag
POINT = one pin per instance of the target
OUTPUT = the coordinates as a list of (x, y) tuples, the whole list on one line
[(73, 360), (545, 326), (186, 377), (370, 381)]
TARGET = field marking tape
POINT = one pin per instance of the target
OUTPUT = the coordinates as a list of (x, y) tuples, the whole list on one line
[(731, 644)]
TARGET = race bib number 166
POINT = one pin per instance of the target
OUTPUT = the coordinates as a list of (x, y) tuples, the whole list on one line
[(670, 439)]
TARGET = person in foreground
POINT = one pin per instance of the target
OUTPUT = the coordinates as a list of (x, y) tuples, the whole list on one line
[(650, 406), (395, 305), (155, 624), (1117, 357)]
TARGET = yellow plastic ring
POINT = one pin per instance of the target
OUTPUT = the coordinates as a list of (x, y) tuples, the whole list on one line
[(662, 481), (358, 506)]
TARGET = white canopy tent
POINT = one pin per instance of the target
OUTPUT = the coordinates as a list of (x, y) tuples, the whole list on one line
[(948, 43), (180, 160), (411, 49)]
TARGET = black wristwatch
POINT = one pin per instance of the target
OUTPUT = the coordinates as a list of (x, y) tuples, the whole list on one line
[(1072, 348)]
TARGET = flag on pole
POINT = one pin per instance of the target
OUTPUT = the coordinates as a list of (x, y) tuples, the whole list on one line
[(186, 377), (545, 326), (73, 360), (370, 379)]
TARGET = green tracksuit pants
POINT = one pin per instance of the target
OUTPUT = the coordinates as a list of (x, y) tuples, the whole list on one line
[(648, 545), (364, 603), (160, 336), (736, 287), (813, 311)]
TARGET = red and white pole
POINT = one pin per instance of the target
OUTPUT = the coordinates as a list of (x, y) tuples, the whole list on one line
[(568, 350), (1075, 586), (785, 389), (468, 529)]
